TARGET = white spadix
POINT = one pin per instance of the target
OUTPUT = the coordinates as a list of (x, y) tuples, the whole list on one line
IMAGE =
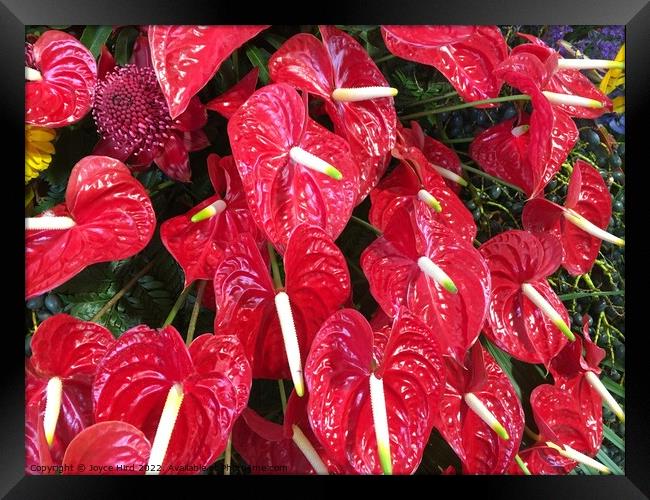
[(448, 174), (291, 347), (590, 64), (32, 75), (433, 271), (362, 93), (380, 420), (519, 130), (165, 429), (429, 200), (607, 398), (313, 162), (53, 394), (477, 406), (572, 100), (42, 223), (572, 454), (210, 211), (308, 451), (547, 309), (588, 227)]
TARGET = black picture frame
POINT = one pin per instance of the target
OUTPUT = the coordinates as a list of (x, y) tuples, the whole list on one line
[(635, 14)]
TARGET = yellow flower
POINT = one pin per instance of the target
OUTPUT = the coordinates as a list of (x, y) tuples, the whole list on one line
[(613, 79), (38, 150)]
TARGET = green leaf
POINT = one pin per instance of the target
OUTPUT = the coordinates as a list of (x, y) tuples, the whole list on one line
[(260, 58), (603, 458), (613, 438), (613, 387), (504, 361), (94, 37), (124, 45), (274, 40)]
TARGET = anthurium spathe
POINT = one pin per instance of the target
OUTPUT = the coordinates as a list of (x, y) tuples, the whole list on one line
[(357, 97), (250, 305), (465, 55), (526, 318), (227, 103), (106, 216), (185, 58), (184, 400), (580, 224), (372, 395), (424, 266), (198, 238), (293, 170), (59, 376), (480, 415), (60, 78)]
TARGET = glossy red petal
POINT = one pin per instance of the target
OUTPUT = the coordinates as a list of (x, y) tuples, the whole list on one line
[(114, 220), (442, 156), (230, 101), (111, 448), (69, 73), (282, 193), (465, 55), (480, 449), (185, 58), (337, 374), (542, 460), (513, 322), (105, 63), (174, 160), (194, 117)]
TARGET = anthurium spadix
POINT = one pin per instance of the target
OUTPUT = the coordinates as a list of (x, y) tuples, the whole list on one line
[(580, 224), (107, 215), (424, 266), (283, 156), (261, 314), (526, 318), (184, 400), (356, 94), (185, 58), (372, 394), (479, 414), (198, 238), (59, 376), (60, 79)]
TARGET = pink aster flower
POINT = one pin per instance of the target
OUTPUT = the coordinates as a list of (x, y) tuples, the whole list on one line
[(133, 118)]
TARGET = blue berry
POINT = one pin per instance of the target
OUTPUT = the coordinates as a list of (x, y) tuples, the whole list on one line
[(35, 304), (53, 303)]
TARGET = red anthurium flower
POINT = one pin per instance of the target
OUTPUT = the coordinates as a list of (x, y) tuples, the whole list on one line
[(59, 376), (290, 448), (563, 78), (60, 75), (441, 278), (185, 400), (526, 318), (278, 326), (197, 239), (465, 55), (293, 170), (480, 415), (133, 118), (108, 448), (106, 216), (185, 58), (372, 395), (580, 224), (230, 101), (415, 182), (356, 94)]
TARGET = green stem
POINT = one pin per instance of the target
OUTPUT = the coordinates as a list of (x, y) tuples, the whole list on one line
[(195, 311), (491, 177), (365, 224), (432, 99), (160, 187), (385, 58), (461, 140), (522, 465), (283, 395), (580, 295), (277, 280), (227, 457), (473, 104), (177, 306), (123, 291)]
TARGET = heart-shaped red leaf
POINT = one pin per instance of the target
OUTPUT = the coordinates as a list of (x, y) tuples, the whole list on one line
[(282, 193), (337, 372), (64, 94), (465, 55), (135, 376), (514, 323), (185, 58), (230, 101), (391, 266), (113, 218)]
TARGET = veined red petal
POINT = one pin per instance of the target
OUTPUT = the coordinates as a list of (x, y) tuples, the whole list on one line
[(231, 100)]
